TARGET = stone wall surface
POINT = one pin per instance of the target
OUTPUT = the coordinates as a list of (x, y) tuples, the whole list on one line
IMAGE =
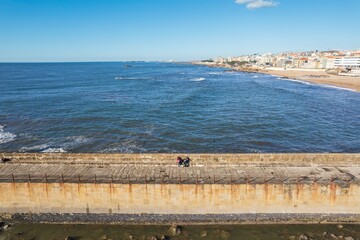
[(178, 198)]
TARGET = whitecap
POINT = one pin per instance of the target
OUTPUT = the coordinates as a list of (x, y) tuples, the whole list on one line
[(198, 79), (215, 73), (255, 76), (53, 150), (133, 78), (6, 136)]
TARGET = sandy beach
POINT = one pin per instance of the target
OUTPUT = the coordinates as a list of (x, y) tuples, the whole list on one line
[(319, 77), (311, 75)]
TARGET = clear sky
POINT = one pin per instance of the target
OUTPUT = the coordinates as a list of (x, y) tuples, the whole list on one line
[(117, 30)]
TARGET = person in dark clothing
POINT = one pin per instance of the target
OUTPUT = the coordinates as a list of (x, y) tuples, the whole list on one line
[(179, 161), (187, 162)]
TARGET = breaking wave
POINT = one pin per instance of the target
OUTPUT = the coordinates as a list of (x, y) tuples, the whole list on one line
[(53, 150), (6, 136)]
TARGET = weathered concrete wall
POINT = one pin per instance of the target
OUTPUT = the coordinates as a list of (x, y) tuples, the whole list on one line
[(296, 159), (178, 198)]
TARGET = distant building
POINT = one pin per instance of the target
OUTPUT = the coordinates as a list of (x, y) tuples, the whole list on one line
[(347, 62)]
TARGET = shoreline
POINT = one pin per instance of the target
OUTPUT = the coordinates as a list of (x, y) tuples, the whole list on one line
[(316, 76)]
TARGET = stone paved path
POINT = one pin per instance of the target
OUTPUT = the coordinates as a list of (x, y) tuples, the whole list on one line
[(172, 174)]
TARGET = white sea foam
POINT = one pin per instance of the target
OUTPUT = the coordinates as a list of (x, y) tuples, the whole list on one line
[(53, 150), (34, 148), (319, 85), (295, 80), (77, 140), (336, 87), (6, 136), (254, 76), (198, 79), (127, 146)]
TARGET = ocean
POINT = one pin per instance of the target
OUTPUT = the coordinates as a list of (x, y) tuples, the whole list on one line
[(150, 107)]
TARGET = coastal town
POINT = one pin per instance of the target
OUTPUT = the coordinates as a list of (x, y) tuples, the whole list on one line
[(339, 68)]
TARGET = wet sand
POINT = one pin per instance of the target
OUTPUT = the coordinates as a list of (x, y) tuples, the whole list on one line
[(318, 77)]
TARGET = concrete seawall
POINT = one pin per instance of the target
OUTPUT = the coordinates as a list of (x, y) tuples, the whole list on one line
[(225, 184), (178, 199)]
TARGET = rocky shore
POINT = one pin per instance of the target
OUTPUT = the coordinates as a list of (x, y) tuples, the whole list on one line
[(26, 231)]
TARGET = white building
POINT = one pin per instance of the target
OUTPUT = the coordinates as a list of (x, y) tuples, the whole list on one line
[(347, 62)]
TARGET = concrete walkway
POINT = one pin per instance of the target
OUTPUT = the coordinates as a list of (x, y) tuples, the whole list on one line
[(172, 174)]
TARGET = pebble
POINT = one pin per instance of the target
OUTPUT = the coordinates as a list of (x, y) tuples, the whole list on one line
[(224, 235), (203, 234), (303, 237), (175, 230), (333, 236)]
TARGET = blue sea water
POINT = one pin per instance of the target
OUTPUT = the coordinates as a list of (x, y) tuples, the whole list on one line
[(166, 107)]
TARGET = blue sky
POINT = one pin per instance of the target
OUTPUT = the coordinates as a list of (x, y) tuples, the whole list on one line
[(117, 30)]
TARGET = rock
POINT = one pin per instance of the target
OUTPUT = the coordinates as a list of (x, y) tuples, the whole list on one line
[(203, 234), (163, 237), (175, 230), (304, 237), (292, 238), (349, 238), (69, 238), (341, 237), (6, 226), (333, 236), (153, 238), (130, 237), (340, 226), (224, 235), (104, 237)]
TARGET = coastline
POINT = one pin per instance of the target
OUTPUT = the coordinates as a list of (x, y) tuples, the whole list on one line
[(316, 76)]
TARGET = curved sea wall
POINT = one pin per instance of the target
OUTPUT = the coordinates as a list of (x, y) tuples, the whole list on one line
[(225, 184)]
